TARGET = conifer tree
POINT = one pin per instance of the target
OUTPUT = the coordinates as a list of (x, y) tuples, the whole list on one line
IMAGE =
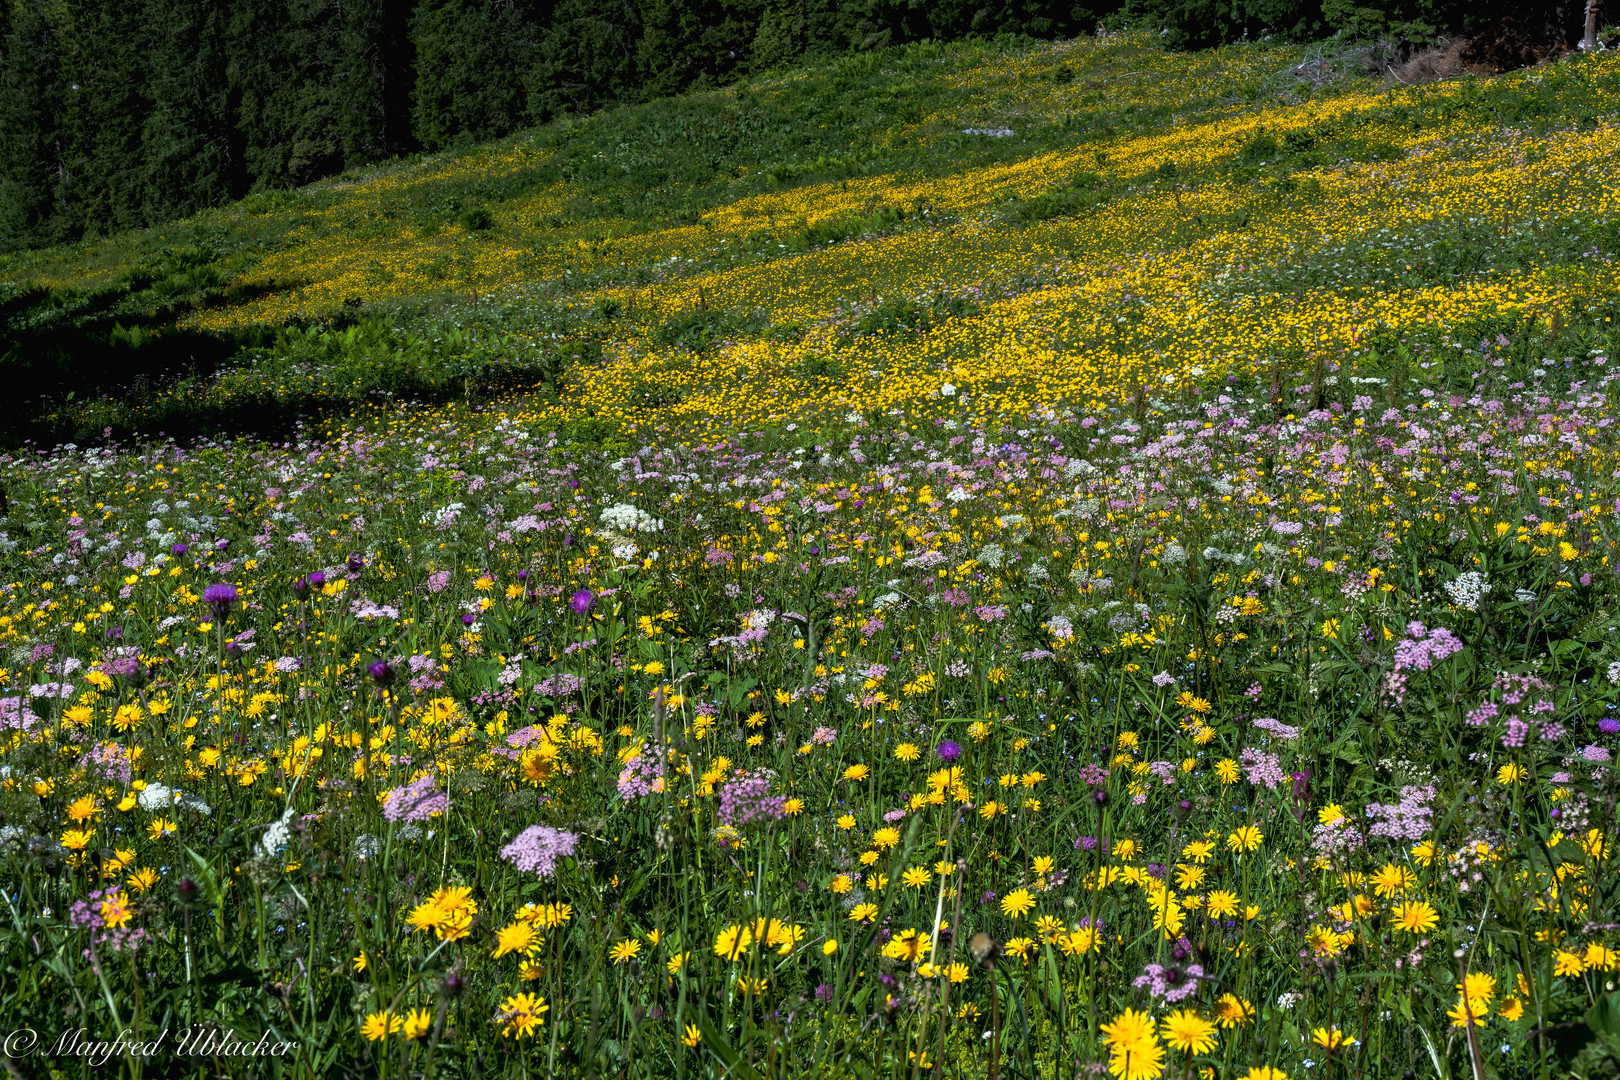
[(106, 103), (192, 154), (35, 182), (472, 59), (585, 58)]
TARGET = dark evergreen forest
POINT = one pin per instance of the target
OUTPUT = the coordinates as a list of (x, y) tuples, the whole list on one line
[(124, 113)]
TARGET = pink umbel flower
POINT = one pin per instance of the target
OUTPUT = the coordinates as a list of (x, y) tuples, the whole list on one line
[(537, 849), (416, 801)]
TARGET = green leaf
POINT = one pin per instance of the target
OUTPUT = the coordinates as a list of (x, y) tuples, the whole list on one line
[(737, 693), (209, 879), (1053, 983), (1604, 1019), (735, 1066), (1592, 628)]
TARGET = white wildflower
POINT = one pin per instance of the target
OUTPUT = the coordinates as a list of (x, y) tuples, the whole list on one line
[(1468, 589), (277, 835), (623, 517)]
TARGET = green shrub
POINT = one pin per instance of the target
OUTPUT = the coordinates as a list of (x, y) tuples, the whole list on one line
[(1081, 195), (700, 329), (832, 230)]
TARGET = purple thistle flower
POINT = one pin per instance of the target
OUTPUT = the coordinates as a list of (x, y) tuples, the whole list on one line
[(1609, 725), (537, 849), (178, 549), (381, 673), (949, 750), (219, 597), (581, 601)]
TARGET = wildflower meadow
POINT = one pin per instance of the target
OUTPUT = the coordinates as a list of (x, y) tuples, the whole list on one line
[(1128, 591)]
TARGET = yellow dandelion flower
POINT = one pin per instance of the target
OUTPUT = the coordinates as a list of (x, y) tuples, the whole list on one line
[(379, 1025), (1017, 903), (1187, 1031)]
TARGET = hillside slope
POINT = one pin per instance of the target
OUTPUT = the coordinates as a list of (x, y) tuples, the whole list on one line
[(1021, 223)]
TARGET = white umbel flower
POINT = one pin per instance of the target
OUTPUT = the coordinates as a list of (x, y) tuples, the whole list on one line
[(277, 835), (1467, 590), (623, 517)]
